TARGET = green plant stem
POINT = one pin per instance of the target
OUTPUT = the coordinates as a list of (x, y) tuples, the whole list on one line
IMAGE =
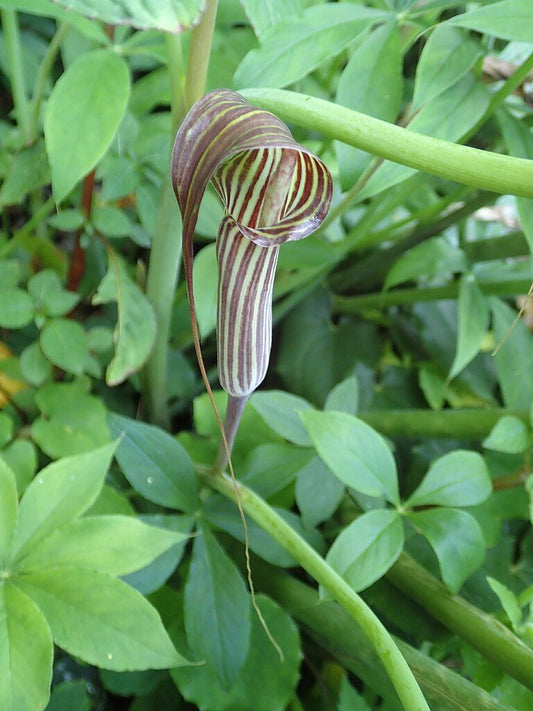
[(393, 661), (397, 297), (459, 424), (466, 165), (43, 74), (165, 256), (333, 629), (10, 28), (492, 639)]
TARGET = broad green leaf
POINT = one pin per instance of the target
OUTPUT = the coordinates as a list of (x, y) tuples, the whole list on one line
[(344, 397), (349, 699), (135, 330), (82, 116), (72, 421), (271, 467), (34, 365), (265, 683), (354, 452), (100, 619), (266, 14), (509, 603), (48, 294), (293, 48), (64, 343), (431, 258), (205, 274), (217, 609), (26, 652), (514, 359), (473, 323), (366, 549), (225, 515), (8, 511), (21, 457), (167, 15), (375, 90), (457, 540), (155, 464), (509, 435), (16, 308), (111, 222), (7, 427), (60, 492), (460, 478), (70, 695), (510, 19), (447, 56), (448, 116), (48, 8), (28, 171), (116, 545), (318, 493), (280, 412), (131, 683)]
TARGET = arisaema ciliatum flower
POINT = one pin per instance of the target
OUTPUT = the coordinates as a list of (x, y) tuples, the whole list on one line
[(273, 191)]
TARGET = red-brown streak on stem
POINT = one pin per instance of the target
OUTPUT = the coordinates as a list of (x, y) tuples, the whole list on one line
[(77, 262)]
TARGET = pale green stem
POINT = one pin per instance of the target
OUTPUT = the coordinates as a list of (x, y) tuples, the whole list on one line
[(43, 74), (10, 28), (466, 165), (393, 661), (232, 419), (165, 257)]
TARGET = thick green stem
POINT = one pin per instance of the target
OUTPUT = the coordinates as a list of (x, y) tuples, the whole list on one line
[(165, 257), (469, 166), (385, 299), (459, 424), (10, 28), (331, 627), (393, 661), (492, 639)]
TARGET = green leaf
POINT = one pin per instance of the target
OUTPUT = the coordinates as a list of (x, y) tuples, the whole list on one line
[(431, 258), (293, 48), (116, 545), (67, 220), (448, 116), (49, 295), (155, 464), (16, 308), (169, 16), (217, 609), (265, 14), (460, 478), (344, 397), (509, 435), (265, 683), (34, 366), (510, 19), (349, 699), (447, 56), (100, 619), (317, 477), (21, 458), (72, 421), (354, 452), (82, 116), (457, 540), (59, 493), (135, 331), (6, 429), (205, 275), (280, 412), (367, 548), (8, 510), (509, 603), (271, 467), (514, 359), (48, 8), (473, 323), (64, 343), (111, 221), (26, 653), (379, 53), (70, 695), (27, 171)]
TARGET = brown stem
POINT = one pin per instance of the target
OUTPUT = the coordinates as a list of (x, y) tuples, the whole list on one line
[(77, 262)]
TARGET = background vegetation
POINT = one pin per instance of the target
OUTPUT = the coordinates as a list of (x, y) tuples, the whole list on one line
[(393, 431)]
